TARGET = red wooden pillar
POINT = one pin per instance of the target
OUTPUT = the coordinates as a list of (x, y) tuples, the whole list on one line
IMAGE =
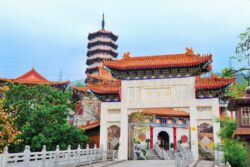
[(174, 135), (151, 137)]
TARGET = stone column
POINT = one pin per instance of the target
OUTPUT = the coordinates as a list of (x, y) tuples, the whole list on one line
[(216, 124), (103, 127), (151, 137), (123, 148), (194, 132), (174, 138)]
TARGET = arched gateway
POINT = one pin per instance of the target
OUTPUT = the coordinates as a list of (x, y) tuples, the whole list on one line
[(163, 140)]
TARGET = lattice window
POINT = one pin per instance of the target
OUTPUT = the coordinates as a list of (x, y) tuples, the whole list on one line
[(183, 71), (140, 74), (245, 116)]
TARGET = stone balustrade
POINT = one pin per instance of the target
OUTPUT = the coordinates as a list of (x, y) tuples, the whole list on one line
[(55, 158)]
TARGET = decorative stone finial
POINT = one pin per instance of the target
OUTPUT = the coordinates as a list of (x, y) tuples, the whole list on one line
[(189, 51), (126, 55), (213, 76)]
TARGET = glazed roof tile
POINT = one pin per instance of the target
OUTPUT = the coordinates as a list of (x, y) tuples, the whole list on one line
[(106, 87), (213, 82), (165, 112), (33, 77), (186, 59), (102, 75), (90, 125), (79, 89)]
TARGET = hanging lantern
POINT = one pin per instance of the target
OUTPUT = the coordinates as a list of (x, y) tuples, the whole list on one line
[(170, 121), (158, 121), (180, 122), (147, 120)]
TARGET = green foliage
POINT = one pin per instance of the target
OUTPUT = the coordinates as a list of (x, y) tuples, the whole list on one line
[(235, 153), (41, 117), (234, 150), (237, 90), (228, 127), (227, 72), (242, 58), (79, 84)]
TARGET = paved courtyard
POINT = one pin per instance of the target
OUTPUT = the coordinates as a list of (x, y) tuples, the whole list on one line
[(147, 163)]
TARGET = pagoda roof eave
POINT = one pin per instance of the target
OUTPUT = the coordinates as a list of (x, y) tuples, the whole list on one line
[(102, 32)]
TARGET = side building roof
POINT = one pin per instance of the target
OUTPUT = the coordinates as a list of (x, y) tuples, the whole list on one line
[(32, 77)]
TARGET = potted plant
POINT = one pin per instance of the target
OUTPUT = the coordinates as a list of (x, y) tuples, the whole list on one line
[(172, 146), (148, 141), (179, 141)]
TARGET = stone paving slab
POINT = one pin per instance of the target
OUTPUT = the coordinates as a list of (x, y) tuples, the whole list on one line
[(102, 164), (146, 163), (135, 163), (204, 163)]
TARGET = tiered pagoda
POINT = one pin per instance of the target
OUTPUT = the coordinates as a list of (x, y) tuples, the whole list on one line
[(101, 46), (32, 77)]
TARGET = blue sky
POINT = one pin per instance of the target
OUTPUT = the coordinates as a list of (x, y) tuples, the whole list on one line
[(51, 35)]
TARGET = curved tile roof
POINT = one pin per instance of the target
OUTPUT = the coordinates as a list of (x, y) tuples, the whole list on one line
[(187, 59)]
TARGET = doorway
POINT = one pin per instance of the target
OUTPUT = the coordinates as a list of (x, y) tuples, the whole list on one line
[(163, 140)]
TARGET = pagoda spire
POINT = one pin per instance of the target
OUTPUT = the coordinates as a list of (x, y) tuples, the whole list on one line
[(103, 21)]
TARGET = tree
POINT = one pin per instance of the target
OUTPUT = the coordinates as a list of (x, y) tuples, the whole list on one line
[(8, 131), (242, 58), (234, 150), (41, 117), (237, 90)]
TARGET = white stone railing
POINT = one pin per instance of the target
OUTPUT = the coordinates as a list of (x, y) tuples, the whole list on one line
[(161, 152), (183, 157), (55, 158)]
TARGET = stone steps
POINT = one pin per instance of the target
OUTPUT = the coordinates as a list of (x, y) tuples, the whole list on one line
[(152, 155)]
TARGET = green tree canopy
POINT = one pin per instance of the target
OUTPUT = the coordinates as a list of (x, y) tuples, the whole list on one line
[(234, 151), (41, 116)]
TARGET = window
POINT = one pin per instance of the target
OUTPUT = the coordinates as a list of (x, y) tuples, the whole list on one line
[(245, 116)]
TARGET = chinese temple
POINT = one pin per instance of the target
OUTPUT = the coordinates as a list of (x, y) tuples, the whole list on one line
[(176, 102), (101, 46), (32, 77)]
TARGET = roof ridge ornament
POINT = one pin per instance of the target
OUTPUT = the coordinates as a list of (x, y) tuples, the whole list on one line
[(103, 21), (189, 51), (126, 56)]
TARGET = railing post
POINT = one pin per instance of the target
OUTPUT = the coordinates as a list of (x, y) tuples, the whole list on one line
[(88, 154), (95, 151), (57, 155), (78, 154), (27, 155), (102, 153), (69, 154), (44, 155), (5, 156)]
